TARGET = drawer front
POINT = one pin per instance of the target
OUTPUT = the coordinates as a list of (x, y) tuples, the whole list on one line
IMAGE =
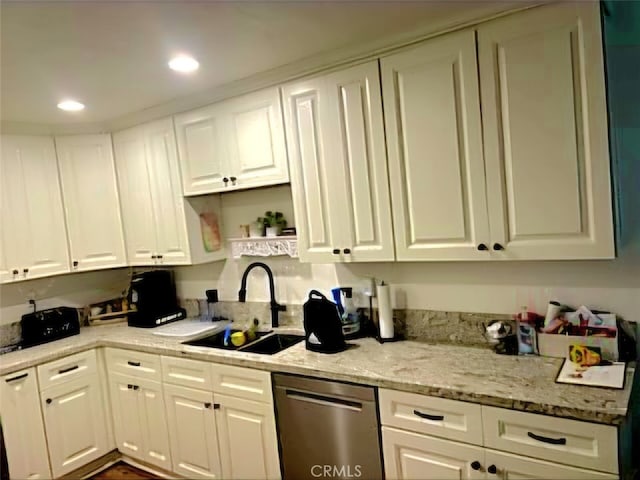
[(188, 373), (583, 444), (439, 417), (242, 382), (136, 364), (67, 369)]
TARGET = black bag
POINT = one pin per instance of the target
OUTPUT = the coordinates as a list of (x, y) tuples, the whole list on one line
[(322, 324)]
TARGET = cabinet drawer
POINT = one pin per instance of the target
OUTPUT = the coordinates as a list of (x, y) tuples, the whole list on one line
[(136, 364), (435, 416), (242, 382), (571, 442), (188, 373), (67, 369)]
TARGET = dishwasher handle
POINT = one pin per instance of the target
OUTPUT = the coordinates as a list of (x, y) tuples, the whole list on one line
[(325, 400)]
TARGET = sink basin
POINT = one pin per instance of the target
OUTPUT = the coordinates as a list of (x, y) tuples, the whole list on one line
[(273, 343), (217, 341)]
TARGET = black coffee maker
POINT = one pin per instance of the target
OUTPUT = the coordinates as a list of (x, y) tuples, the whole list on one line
[(322, 325), (153, 296)]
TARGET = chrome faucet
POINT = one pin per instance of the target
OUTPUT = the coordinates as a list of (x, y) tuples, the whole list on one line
[(275, 306)]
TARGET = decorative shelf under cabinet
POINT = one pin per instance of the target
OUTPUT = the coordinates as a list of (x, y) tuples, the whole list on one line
[(264, 246)]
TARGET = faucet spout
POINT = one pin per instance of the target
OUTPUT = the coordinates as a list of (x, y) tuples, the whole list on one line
[(275, 306)]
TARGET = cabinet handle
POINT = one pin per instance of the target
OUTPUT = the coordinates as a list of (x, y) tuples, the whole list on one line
[(75, 264), (49, 401), (153, 257), (492, 469), (208, 405), (497, 247), (15, 272), (336, 251), (159, 257), (435, 418), (19, 377), (346, 251), (216, 406), (25, 270), (482, 247), (233, 180), (225, 180), (552, 441), (136, 387), (133, 364), (476, 465), (129, 386), (67, 370)]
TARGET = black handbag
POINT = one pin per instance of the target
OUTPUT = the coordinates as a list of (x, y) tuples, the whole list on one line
[(322, 324)]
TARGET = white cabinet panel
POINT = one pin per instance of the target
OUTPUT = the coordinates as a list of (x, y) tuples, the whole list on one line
[(409, 456), (516, 467), (155, 428), (92, 206), (75, 424), (338, 166), (127, 417), (22, 426), (432, 116), (545, 135), (32, 214), (247, 426), (193, 433)]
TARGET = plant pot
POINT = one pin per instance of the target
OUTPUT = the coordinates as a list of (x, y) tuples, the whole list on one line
[(273, 231), (256, 231)]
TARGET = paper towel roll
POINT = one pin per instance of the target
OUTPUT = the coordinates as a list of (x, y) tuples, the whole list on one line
[(385, 312)]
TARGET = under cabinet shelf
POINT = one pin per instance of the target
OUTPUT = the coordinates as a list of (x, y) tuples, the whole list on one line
[(264, 246)]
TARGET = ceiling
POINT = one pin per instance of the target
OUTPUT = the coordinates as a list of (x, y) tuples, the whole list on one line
[(112, 55)]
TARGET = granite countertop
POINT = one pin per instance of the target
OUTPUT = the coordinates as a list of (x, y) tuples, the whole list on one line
[(460, 373)]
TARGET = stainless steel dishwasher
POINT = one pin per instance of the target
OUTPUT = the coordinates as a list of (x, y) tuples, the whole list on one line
[(327, 429)]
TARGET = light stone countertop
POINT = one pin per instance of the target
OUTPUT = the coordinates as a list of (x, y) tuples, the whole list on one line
[(470, 374)]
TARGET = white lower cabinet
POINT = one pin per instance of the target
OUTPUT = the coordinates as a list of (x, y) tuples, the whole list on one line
[(246, 428), (193, 433), (22, 426), (139, 419), (409, 455), (74, 417)]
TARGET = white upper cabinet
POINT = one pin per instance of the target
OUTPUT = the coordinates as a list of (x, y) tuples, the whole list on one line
[(339, 175), (33, 226), (91, 202), (434, 133), (545, 133), (161, 227), (234, 144)]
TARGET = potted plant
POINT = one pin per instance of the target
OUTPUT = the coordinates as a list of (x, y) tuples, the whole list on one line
[(274, 223)]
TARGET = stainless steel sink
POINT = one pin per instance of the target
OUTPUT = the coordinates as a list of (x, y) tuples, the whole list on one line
[(266, 343)]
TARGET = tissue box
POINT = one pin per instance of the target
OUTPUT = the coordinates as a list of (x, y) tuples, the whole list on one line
[(553, 345)]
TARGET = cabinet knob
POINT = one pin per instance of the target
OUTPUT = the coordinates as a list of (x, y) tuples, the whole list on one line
[(159, 257), (25, 270), (476, 465), (497, 247), (136, 387), (15, 271), (346, 251), (233, 180), (207, 405), (336, 251), (225, 180), (492, 469), (49, 401), (216, 406), (153, 257), (482, 247), (75, 264)]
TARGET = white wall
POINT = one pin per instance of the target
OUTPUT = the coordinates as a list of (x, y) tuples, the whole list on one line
[(489, 287)]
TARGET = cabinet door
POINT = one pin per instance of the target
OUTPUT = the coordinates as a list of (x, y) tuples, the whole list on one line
[(313, 182), (168, 202), (410, 455), (22, 426), (37, 242), (432, 118), (127, 417), (6, 271), (247, 426), (75, 424), (91, 202), (192, 430), (135, 195), (545, 133), (512, 467), (154, 425), (257, 149), (204, 149), (359, 157)]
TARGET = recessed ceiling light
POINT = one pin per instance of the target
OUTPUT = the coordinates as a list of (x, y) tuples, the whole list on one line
[(70, 106), (184, 64)]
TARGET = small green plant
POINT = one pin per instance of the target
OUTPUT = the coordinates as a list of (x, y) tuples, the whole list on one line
[(273, 219)]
